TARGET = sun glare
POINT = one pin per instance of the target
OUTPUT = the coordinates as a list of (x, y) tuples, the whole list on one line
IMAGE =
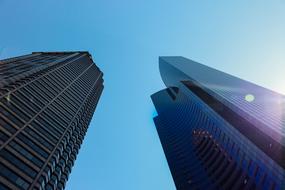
[(249, 98)]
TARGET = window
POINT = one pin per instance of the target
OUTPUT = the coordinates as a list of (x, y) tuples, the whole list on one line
[(33, 146), (49, 187), (10, 116), (52, 80), (48, 126), (39, 89), (40, 99), (29, 102), (67, 110), (18, 163), (17, 147), (39, 138), (45, 130), (47, 171), (20, 113), (27, 108), (54, 118), (2, 187), (7, 126), (3, 137), (252, 168), (57, 109), (45, 84), (14, 178), (54, 179), (62, 162), (67, 102)]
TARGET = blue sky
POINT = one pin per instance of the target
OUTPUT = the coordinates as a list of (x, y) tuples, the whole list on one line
[(121, 149)]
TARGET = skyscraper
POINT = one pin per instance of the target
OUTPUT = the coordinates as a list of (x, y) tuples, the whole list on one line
[(219, 131), (47, 100)]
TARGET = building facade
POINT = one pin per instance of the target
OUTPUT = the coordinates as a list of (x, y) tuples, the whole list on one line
[(47, 100), (218, 131)]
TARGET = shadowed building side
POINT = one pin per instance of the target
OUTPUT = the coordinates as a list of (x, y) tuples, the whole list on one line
[(209, 138), (47, 100)]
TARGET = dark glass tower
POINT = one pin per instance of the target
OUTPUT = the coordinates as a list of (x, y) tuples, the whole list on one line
[(219, 131), (46, 103)]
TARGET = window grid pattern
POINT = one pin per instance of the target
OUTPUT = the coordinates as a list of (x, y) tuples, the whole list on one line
[(44, 120), (266, 112), (201, 154)]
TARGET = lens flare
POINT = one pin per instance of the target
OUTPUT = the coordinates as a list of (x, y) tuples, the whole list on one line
[(249, 98)]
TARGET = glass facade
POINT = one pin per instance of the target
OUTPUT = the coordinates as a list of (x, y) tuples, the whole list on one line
[(212, 136), (47, 100)]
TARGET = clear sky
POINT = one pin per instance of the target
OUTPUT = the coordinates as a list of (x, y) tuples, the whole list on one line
[(121, 149)]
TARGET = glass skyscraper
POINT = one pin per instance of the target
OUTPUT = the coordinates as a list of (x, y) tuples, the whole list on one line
[(47, 100), (219, 131)]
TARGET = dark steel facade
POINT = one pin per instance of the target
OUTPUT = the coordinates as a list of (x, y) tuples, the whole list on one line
[(213, 135), (47, 100)]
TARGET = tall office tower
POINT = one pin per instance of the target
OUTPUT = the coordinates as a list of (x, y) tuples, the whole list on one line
[(219, 131), (46, 103)]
